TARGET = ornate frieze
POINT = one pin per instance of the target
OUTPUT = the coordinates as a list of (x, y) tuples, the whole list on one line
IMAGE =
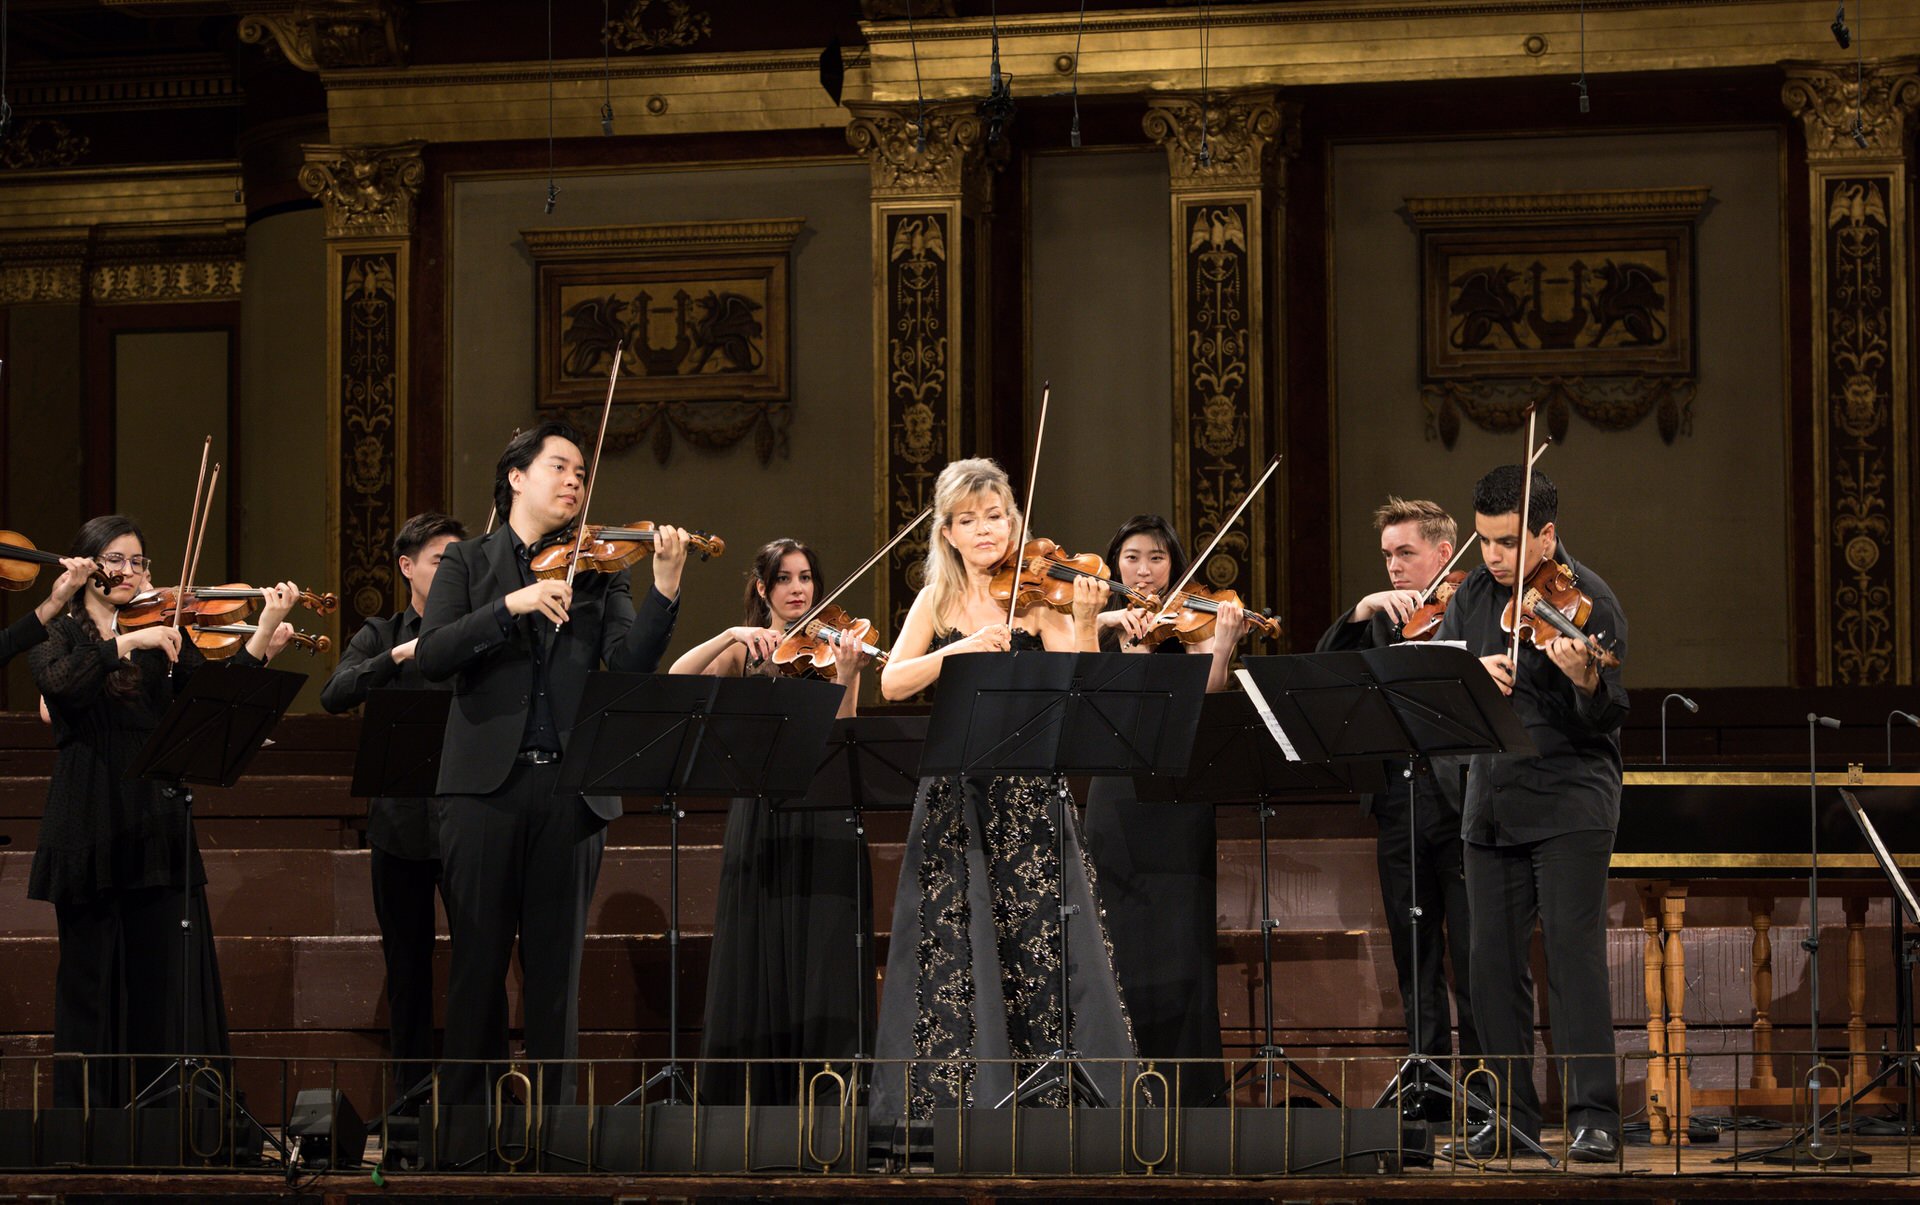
[(329, 35), (1222, 139), (938, 151), (368, 191), (367, 369), (1842, 108), (42, 143), (659, 25)]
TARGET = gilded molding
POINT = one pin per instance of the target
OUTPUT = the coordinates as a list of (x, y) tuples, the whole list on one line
[(328, 35), (950, 160), (108, 265), (42, 143), (1683, 204), (167, 280), (559, 244), (682, 26), (368, 191), (1221, 139), (1827, 99), (43, 267), (182, 81)]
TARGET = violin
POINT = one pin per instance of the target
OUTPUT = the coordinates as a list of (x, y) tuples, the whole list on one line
[(209, 604), (1552, 605), (217, 642), (610, 549), (816, 647), (20, 564), (1193, 612), (1425, 620), (1047, 574)]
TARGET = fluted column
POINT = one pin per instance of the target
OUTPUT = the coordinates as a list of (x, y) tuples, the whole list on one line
[(1862, 558), (368, 193), (1226, 156), (931, 348)]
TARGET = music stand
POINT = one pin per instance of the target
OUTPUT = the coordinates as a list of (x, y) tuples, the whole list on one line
[(870, 765), (691, 735), (218, 720), (1235, 761), (1051, 715), (1411, 702)]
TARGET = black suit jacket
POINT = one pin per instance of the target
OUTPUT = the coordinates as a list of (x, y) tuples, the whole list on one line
[(491, 670), (404, 828)]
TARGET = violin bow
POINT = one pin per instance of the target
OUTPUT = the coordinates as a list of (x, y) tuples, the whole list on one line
[(1420, 600), (1519, 565), (193, 522), (493, 512), (820, 607), (593, 473), (1019, 549), (1167, 607)]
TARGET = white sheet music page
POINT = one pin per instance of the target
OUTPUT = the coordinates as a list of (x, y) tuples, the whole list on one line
[(1266, 714)]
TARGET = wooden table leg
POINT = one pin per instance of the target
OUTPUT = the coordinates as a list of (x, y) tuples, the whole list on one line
[(1673, 921), (1763, 1071), (1657, 1131), (1856, 910)]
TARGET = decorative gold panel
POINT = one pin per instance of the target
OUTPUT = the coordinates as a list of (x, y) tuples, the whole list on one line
[(42, 142), (327, 35), (367, 363), (367, 191), (660, 25)]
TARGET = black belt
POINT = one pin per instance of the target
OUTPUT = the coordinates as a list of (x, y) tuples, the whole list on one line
[(537, 757)]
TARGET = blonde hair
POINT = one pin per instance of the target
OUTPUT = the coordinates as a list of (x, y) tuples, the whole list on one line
[(946, 573), (1436, 525)]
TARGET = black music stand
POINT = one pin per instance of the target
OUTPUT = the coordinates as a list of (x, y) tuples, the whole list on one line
[(871, 765), (1236, 761), (691, 735), (1411, 702), (1054, 714), (218, 721)]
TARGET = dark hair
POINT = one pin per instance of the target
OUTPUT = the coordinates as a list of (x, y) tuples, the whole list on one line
[(1498, 493), (91, 540), (520, 452), (423, 529), (766, 567), (1159, 529)]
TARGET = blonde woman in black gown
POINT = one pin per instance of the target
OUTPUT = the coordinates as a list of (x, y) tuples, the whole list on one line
[(973, 969)]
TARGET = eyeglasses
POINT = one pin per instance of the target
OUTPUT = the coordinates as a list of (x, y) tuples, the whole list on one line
[(120, 560)]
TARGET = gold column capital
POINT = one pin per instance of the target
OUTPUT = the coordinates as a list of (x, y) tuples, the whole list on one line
[(368, 191), (327, 35), (1882, 96), (1223, 138), (951, 160)]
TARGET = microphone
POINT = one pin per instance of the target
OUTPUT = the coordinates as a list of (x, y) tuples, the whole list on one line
[(1896, 713), (1825, 721), (1685, 702)]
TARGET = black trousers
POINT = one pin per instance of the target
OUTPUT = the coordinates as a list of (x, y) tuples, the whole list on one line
[(118, 991), (521, 862), (403, 903), (1561, 883), (1438, 884)]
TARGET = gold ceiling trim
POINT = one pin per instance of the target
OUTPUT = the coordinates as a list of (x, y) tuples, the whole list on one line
[(116, 264), (81, 197), (1767, 778), (570, 243), (1681, 204), (113, 84)]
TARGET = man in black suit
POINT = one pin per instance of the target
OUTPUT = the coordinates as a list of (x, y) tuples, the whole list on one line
[(518, 859), (405, 846), (1416, 543)]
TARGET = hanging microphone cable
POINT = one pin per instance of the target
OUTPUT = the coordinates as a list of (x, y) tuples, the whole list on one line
[(1073, 131), (553, 190), (606, 66)]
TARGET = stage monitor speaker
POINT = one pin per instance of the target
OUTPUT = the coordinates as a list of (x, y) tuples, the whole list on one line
[(1213, 1142), (763, 1138), (329, 1130), (569, 1138)]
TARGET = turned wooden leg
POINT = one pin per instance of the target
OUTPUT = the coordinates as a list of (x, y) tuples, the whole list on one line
[(1673, 921), (1856, 910), (1763, 1072), (1656, 1018)]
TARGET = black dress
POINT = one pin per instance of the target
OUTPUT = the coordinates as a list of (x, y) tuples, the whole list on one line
[(116, 859), (1158, 887), (785, 980), (973, 974)]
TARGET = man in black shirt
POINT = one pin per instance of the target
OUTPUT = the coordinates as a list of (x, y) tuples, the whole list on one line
[(520, 860), (402, 832), (1416, 542), (1539, 829)]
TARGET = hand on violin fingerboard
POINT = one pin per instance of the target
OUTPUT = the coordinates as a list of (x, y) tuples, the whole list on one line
[(669, 558), (1576, 663), (77, 571), (1088, 596), (1230, 624)]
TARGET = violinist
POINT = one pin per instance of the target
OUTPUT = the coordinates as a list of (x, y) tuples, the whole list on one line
[(1156, 861), (1539, 830), (517, 859), (1416, 543), (113, 848), (402, 833), (784, 980), (972, 968), (30, 629)]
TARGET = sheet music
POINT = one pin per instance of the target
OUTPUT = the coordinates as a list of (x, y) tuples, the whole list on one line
[(1266, 714)]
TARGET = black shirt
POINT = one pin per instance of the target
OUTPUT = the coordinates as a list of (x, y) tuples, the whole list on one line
[(405, 827), (21, 635), (542, 733), (1572, 783)]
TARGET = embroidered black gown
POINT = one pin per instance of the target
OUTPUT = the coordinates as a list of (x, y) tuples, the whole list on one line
[(973, 967)]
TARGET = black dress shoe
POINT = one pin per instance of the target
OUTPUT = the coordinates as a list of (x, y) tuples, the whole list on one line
[(1591, 1144)]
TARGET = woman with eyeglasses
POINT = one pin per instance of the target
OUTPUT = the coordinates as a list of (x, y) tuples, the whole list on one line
[(112, 847)]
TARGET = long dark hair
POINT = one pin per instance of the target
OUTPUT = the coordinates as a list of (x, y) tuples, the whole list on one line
[(766, 567), (1159, 529), (91, 540), (520, 453)]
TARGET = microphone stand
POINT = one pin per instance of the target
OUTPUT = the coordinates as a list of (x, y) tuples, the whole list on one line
[(1896, 713), (1689, 704)]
